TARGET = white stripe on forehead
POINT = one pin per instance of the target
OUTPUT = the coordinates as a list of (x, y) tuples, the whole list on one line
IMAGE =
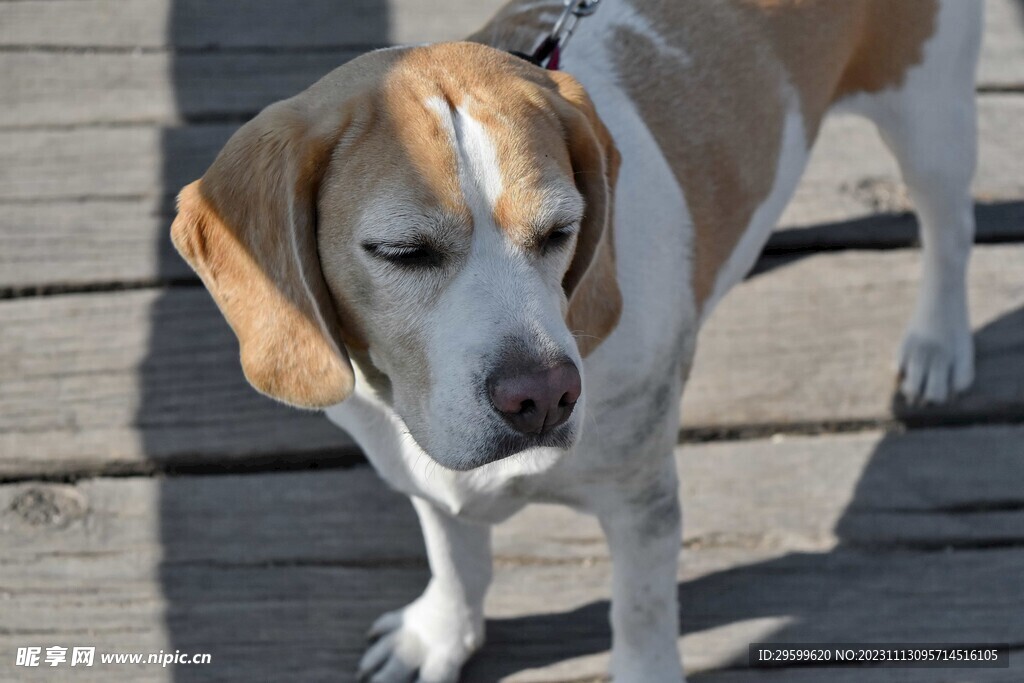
[(479, 173)]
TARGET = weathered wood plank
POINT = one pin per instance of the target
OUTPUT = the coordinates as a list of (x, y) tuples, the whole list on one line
[(958, 487), (237, 23), (852, 174), (840, 596), (281, 573), (128, 174), (257, 623), (547, 624), (126, 378), (77, 243), (933, 488), (321, 23), (814, 340), (69, 88), (105, 163), (190, 519), (44, 87), (74, 243), (1002, 50), (955, 488), (85, 242)]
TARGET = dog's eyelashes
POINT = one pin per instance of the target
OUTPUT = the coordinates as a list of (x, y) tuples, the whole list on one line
[(557, 238), (405, 255)]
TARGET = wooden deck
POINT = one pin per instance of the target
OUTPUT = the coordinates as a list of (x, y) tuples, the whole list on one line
[(149, 500)]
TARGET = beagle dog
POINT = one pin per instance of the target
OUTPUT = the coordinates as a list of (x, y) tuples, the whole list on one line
[(492, 274)]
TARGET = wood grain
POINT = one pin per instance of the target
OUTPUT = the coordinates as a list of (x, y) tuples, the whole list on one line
[(89, 205), (134, 378), (132, 161), (109, 106), (43, 88), (1002, 48), (76, 243), (852, 174), (195, 24), (814, 340), (129, 378), (281, 573)]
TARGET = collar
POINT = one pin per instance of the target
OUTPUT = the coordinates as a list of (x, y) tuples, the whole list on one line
[(548, 54)]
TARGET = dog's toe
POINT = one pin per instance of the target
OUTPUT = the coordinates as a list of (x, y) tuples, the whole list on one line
[(403, 657), (396, 657), (413, 645), (385, 623), (375, 658), (935, 367)]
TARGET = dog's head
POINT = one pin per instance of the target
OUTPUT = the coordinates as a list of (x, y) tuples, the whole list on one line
[(441, 216)]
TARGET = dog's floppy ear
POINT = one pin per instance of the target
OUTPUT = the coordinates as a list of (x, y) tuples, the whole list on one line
[(591, 285), (248, 228)]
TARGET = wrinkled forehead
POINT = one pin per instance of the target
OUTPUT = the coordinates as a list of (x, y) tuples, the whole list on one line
[(458, 143)]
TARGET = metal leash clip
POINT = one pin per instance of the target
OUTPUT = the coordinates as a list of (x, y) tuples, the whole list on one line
[(548, 53), (571, 15)]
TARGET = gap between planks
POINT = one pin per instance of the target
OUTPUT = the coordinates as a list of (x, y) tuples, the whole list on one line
[(283, 571)]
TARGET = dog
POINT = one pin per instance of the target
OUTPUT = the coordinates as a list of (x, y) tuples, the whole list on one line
[(492, 274)]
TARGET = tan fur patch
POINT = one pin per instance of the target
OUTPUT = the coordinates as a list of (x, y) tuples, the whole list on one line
[(834, 49), (891, 43), (719, 119)]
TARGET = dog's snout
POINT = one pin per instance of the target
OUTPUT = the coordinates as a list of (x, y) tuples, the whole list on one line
[(535, 400)]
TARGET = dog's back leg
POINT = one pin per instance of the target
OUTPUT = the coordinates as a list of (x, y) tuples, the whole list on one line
[(929, 123)]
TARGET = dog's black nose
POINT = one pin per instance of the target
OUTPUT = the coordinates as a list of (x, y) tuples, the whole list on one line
[(535, 400)]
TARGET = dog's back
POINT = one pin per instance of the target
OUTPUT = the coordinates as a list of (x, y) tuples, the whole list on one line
[(715, 81)]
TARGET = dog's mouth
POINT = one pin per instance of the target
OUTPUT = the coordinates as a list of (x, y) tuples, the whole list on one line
[(508, 444)]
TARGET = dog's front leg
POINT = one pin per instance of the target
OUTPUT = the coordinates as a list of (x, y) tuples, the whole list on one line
[(429, 640), (643, 527)]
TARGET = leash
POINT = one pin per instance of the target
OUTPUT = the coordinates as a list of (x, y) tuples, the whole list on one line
[(548, 54)]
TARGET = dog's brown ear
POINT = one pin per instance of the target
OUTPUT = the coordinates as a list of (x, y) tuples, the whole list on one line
[(248, 228), (591, 285)]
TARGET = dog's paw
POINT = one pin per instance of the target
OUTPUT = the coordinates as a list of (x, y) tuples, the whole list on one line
[(935, 366), (426, 642)]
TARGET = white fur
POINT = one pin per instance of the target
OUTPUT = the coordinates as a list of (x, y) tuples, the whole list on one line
[(479, 173), (930, 126), (624, 477)]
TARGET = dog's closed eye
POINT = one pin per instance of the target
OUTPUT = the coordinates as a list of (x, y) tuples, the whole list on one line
[(556, 239), (406, 255)]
